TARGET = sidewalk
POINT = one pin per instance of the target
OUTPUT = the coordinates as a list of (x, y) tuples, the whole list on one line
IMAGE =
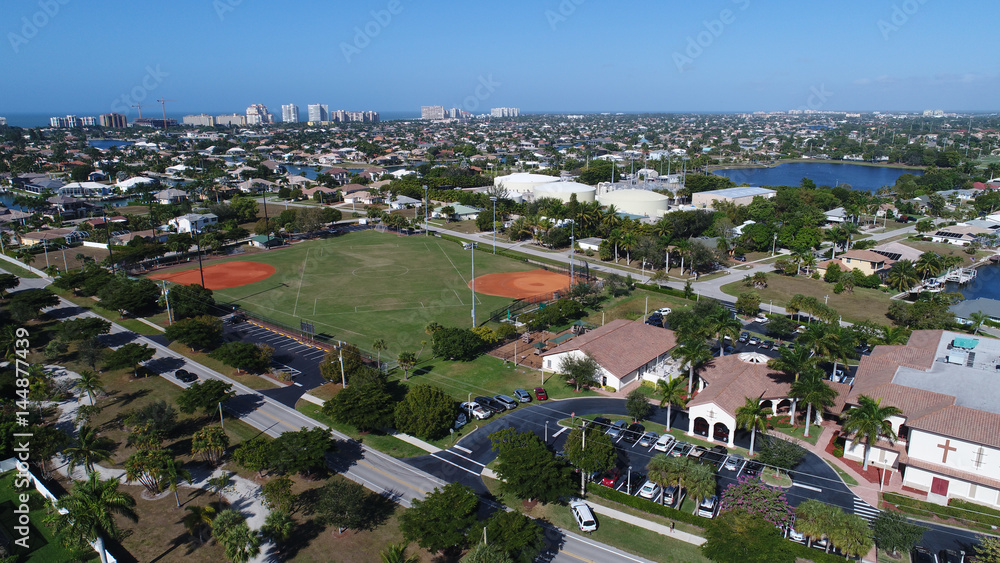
[(648, 525)]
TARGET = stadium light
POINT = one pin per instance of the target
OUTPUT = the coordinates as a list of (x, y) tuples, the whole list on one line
[(472, 246)]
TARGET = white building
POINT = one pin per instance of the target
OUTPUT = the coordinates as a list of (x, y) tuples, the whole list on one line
[(318, 112), (289, 113), (200, 120), (193, 222)]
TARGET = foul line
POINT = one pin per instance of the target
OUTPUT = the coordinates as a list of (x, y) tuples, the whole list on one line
[(453, 264)]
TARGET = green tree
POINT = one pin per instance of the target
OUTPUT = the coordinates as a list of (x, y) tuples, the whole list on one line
[(147, 467), (672, 393), (521, 537), (987, 549), (693, 353), (91, 508), (752, 416), (700, 481), (367, 406), (581, 370), (487, 553), (278, 527), (27, 304), (666, 471), (724, 324), (82, 328), (852, 535), (173, 476), (129, 356), (129, 296), (89, 383), (91, 352), (231, 530), (869, 421), (89, 449), (211, 442), (528, 469), (637, 404), (456, 344), (812, 390), (894, 533), (8, 282), (814, 519), (244, 356), (737, 536), (379, 345), (197, 520), (190, 301), (197, 332), (343, 504), (278, 494), (748, 303), (902, 276), (205, 395), (977, 319), (442, 519), (254, 454), (591, 450), (426, 412), (780, 453), (756, 498), (406, 361), (303, 451)]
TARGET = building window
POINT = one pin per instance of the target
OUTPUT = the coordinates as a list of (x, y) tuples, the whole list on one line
[(548, 364)]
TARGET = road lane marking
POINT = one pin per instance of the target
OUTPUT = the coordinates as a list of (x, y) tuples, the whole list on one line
[(561, 430), (467, 458), (463, 468), (394, 478), (808, 487), (466, 450)]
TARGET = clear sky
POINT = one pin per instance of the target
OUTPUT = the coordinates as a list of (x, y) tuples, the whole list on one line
[(543, 55)]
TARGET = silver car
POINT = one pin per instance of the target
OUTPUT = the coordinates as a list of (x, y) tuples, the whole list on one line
[(617, 428)]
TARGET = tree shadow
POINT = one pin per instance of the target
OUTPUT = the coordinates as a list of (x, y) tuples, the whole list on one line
[(302, 536), (346, 456), (125, 399), (164, 365), (117, 339), (422, 370)]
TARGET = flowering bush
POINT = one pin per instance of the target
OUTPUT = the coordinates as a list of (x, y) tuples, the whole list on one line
[(756, 498)]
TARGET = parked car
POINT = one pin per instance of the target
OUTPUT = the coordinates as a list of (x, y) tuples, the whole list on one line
[(796, 536), (507, 401), (649, 490), (611, 477), (740, 258), (744, 336), (522, 396), (681, 449), (753, 468), (648, 439), (733, 462), (951, 556), (720, 449), (477, 411), (185, 376), (540, 394), (657, 322), (706, 508), (753, 341), (663, 311), (671, 495), (616, 429), (583, 515), (760, 318), (664, 442), (489, 404), (460, 421), (634, 432), (923, 555), (697, 451), (633, 481), (601, 422), (767, 344)]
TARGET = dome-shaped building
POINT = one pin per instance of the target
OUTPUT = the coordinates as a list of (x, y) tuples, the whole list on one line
[(564, 190), (636, 202), (523, 182)]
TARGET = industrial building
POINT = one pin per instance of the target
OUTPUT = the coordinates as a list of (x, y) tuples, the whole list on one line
[(739, 196)]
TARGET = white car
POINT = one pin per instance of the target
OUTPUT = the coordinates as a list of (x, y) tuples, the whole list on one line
[(476, 410), (761, 318), (649, 490), (583, 515), (663, 443), (663, 311), (796, 536), (707, 507)]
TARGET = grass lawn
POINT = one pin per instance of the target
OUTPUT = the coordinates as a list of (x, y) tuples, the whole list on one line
[(16, 270), (799, 431), (368, 285), (135, 326), (946, 250), (629, 538), (633, 307), (850, 481), (381, 442), (862, 304), (883, 557), (250, 380), (42, 544)]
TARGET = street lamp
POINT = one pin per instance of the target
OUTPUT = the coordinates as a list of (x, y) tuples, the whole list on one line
[(427, 231), (472, 246), (493, 198), (774, 243)]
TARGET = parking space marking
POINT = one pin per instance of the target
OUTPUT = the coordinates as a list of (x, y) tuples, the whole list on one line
[(466, 450), (561, 430)]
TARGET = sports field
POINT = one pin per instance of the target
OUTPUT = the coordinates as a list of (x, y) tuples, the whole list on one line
[(366, 285)]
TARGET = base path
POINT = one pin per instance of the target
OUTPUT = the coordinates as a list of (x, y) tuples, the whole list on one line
[(221, 276), (519, 285)]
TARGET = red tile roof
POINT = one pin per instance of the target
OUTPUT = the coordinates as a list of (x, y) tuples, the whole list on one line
[(963, 423), (621, 346)]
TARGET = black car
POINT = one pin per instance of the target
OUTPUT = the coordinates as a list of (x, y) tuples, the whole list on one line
[(744, 336), (634, 432), (863, 349), (767, 344), (951, 556), (185, 376), (922, 555), (602, 422), (658, 322), (740, 258), (490, 404), (752, 468), (632, 483)]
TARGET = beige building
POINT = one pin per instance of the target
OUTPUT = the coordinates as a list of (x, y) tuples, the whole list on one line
[(739, 196)]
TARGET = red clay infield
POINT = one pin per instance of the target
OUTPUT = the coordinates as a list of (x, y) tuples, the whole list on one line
[(519, 285), (221, 276)]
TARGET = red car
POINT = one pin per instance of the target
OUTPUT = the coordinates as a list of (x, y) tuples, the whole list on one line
[(611, 477), (540, 394)]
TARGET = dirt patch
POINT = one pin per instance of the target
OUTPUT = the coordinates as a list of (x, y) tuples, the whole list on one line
[(221, 276), (519, 285)]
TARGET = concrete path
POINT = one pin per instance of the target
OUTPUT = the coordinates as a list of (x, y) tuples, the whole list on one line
[(648, 525)]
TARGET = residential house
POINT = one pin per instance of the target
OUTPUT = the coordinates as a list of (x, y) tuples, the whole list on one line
[(868, 261), (402, 202), (960, 234), (256, 185), (461, 213), (66, 206), (43, 237), (171, 195), (193, 222), (134, 182)]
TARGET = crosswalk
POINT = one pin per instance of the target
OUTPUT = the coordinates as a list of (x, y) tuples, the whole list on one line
[(865, 510)]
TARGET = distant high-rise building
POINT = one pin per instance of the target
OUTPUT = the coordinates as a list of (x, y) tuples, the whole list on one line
[(505, 112), (115, 120), (155, 123), (318, 112), (431, 112), (88, 121), (202, 120), (231, 119), (69, 121), (289, 113), (3, 121), (257, 115)]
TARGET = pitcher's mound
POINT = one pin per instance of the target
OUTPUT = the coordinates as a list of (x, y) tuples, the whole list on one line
[(221, 276), (519, 285)]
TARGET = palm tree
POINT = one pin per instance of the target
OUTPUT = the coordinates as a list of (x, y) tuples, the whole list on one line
[(812, 390), (198, 519), (378, 346), (693, 353), (852, 534), (902, 276), (977, 319), (406, 362), (894, 335), (723, 325), (666, 471), (812, 520), (174, 475), (89, 449), (827, 340), (671, 393), (615, 238), (629, 241), (869, 420), (91, 509), (752, 416), (89, 383), (396, 553), (700, 481), (793, 361), (928, 264)]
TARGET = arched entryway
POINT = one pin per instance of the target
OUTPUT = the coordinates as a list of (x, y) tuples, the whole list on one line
[(700, 427), (721, 433)]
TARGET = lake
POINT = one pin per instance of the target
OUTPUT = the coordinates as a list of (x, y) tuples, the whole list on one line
[(986, 284), (859, 177), (105, 144)]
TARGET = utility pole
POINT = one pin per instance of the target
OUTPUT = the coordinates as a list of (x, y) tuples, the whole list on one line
[(343, 377), (493, 198), (166, 296), (107, 230), (472, 246), (200, 267)]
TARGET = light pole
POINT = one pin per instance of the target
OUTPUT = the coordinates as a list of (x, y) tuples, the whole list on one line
[(427, 230), (774, 243), (493, 198), (472, 246)]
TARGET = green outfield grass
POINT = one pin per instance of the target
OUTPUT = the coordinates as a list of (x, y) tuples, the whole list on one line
[(367, 285)]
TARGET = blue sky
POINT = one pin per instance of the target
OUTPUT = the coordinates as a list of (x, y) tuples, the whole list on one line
[(543, 55)]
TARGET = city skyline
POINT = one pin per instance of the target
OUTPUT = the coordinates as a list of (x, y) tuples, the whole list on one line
[(724, 56)]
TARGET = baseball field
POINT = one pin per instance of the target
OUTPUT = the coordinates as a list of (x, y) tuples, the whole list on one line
[(363, 286)]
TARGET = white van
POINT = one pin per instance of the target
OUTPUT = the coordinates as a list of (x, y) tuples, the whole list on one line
[(707, 507), (583, 515)]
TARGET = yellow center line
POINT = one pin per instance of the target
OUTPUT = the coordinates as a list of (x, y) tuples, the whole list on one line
[(575, 556), (393, 477)]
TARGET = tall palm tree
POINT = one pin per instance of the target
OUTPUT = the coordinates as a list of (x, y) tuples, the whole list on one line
[(666, 471), (693, 353), (615, 238), (89, 449), (89, 383), (174, 475), (851, 534), (198, 519), (378, 345), (793, 361), (396, 553), (700, 481), (869, 420), (827, 340), (723, 325), (752, 416), (902, 276), (90, 511), (812, 390), (928, 264), (629, 242), (671, 393), (977, 319), (813, 520)]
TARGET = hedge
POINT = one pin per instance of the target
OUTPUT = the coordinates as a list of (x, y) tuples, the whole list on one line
[(965, 511)]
